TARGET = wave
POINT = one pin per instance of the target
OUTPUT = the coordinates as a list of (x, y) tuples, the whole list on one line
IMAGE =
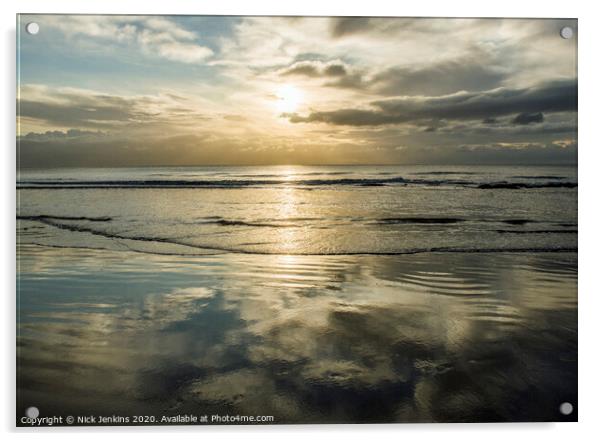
[(418, 220), (537, 231), (238, 223), (224, 183), (133, 250), (217, 251), (216, 220), (443, 173), (51, 221), (539, 177), (517, 221), (55, 221), (245, 183), (290, 222), (525, 185), (42, 217)]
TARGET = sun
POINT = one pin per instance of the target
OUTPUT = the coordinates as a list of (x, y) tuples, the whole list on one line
[(288, 98)]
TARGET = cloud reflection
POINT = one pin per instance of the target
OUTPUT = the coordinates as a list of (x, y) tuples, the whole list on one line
[(334, 339)]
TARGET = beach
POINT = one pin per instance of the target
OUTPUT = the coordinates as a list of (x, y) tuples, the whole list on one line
[(308, 295)]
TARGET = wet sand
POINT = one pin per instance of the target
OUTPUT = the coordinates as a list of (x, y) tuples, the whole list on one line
[(429, 337)]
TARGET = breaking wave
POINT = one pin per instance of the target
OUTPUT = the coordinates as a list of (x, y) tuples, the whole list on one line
[(91, 225), (244, 183)]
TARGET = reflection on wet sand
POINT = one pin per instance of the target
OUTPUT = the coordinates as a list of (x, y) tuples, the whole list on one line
[(428, 337)]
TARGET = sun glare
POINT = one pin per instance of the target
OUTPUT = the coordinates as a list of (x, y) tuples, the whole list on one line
[(289, 98)]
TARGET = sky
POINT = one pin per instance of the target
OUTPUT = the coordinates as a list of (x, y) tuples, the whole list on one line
[(115, 91)]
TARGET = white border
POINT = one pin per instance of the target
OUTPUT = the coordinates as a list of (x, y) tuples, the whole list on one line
[(590, 213)]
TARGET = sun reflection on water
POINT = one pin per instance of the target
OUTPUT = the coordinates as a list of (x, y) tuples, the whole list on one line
[(288, 210)]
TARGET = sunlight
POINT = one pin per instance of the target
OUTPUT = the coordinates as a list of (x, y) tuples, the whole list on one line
[(289, 98), (289, 238)]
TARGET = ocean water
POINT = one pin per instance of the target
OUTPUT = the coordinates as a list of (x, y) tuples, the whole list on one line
[(302, 210), (310, 294)]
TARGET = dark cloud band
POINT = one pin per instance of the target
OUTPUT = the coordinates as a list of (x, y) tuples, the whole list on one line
[(559, 96)]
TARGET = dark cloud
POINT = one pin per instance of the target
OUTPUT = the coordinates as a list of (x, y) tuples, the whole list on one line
[(383, 145), (342, 26), (503, 128), (347, 26), (58, 134), (335, 70), (559, 96), (528, 118), (469, 73), (438, 79), (314, 68), (303, 68), (351, 80), (182, 150), (99, 114), (465, 74), (94, 111), (514, 153), (346, 117)]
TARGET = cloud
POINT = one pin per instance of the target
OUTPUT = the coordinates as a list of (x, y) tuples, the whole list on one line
[(374, 84), (101, 112), (305, 68), (184, 52), (335, 70), (556, 96), (208, 148), (383, 146), (315, 69), (470, 73), (154, 35), (528, 118), (349, 25), (506, 126), (52, 135), (86, 109), (465, 74), (513, 51)]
